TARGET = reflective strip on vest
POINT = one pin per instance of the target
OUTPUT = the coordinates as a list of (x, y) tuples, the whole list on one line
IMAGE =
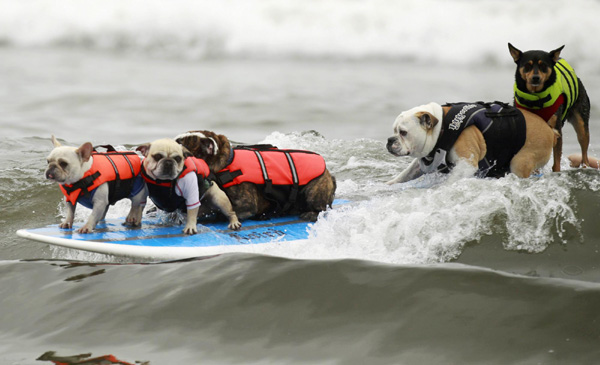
[(280, 167)]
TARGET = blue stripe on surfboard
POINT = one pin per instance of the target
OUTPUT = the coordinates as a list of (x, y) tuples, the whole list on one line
[(212, 234)]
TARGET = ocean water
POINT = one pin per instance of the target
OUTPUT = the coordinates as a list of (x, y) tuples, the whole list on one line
[(441, 270)]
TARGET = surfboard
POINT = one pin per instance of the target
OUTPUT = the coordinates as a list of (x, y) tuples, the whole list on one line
[(160, 240)]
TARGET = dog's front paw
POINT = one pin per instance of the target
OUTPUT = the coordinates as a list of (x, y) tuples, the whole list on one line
[(66, 225), (235, 225), (190, 230), (133, 221), (85, 229)]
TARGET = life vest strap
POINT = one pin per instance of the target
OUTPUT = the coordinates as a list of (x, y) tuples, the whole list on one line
[(256, 147), (533, 104), (506, 111), (225, 177), (107, 147), (82, 184)]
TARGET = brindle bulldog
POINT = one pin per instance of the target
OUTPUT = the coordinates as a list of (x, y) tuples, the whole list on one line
[(262, 181)]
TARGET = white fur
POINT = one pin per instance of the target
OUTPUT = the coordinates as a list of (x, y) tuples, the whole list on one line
[(77, 161), (417, 141)]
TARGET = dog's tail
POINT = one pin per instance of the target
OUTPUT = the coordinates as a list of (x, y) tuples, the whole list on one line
[(556, 136)]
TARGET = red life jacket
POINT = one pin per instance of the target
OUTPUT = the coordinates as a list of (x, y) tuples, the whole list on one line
[(281, 172), (119, 169), (162, 192)]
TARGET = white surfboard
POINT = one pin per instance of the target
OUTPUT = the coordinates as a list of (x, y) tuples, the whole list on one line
[(162, 241)]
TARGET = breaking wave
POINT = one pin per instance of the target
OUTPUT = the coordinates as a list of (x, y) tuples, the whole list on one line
[(457, 31)]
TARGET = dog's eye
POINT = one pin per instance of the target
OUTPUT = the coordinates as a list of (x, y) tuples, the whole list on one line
[(528, 67), (542, 66), (63, 165), (403, 133), (177, 159), (157, 157)]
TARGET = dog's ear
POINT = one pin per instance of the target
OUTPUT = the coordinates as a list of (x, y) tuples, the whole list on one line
[(555, 55), (55, 141), (427, 120), (85, 151), (144, 148), (514, 52), (223, 140)]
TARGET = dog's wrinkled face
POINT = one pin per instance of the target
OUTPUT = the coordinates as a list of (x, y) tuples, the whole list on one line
[(213, 148), (66, 165), (199, 143), (416, 131), (535, 68), (164, 159)]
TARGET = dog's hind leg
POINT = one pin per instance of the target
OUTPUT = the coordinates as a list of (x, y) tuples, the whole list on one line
[(521, 166), (583, 136), (247, 201), (319, 195), (537, 149), (579, 117), (557, 153)]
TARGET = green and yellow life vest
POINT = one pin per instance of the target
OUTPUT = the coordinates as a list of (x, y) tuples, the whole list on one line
[(566, 83)]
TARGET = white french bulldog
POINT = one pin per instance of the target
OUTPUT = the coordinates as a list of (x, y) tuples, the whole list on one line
[(163, 164), (68, 165), (417, 130)]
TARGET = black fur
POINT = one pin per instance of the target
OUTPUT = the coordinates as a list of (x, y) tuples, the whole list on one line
[(578, 115)]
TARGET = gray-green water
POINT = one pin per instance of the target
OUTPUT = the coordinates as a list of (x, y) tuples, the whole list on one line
[(445, 270)]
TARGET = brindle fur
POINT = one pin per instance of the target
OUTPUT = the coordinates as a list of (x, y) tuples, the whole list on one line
[(248, 199)]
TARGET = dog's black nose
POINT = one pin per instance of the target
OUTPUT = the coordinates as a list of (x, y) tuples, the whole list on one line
[(390, 143), (535, 79)]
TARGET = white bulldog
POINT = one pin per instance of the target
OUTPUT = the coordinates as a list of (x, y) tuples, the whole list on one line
[(417, 131)]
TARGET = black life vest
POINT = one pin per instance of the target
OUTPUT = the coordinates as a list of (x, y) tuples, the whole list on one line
[(280, 172), (162, 192), (503, 128)]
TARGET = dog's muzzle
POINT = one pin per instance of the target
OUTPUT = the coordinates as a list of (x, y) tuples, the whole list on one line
[(393, 145), (167, 169)]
